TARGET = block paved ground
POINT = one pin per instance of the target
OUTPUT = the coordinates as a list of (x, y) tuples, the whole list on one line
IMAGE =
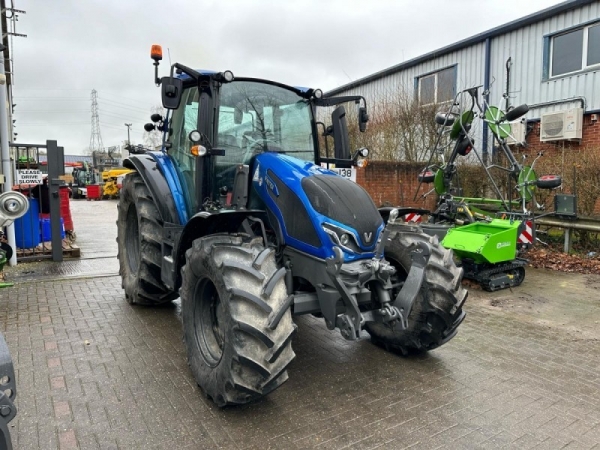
[(96, 373)]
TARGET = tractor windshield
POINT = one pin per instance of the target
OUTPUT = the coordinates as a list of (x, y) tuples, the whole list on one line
[(255, 117), (252, 117)]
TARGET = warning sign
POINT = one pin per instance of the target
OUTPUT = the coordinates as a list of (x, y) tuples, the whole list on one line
[(29, 176)]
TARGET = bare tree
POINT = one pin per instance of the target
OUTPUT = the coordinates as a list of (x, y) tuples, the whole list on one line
[(399, 128)]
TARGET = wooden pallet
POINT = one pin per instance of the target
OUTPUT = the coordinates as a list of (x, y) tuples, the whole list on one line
[(44, 250)]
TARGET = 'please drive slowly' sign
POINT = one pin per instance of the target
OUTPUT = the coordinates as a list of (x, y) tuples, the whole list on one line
[(29, 176)]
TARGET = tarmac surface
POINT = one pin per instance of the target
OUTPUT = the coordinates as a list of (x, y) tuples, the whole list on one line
[(95, 373)]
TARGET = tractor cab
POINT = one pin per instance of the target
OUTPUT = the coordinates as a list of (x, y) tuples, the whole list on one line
[(249, 117), (218, 123)]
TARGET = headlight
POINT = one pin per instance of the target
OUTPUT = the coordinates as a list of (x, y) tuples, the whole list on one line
[(194, 136), (342, 238)]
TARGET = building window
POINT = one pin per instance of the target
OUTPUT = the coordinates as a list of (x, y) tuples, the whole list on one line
[(437, 87), (575, 50)]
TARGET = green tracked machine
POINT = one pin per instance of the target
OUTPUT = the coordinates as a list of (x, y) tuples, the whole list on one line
[(484, 233)]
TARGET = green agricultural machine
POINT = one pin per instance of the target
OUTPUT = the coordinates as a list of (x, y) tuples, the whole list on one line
[(485, 233)]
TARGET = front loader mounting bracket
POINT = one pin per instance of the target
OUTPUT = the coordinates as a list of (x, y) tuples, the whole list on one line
[(412, 285), (351, 322)]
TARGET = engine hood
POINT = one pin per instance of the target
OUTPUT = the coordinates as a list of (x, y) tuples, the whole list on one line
[(316, 208)]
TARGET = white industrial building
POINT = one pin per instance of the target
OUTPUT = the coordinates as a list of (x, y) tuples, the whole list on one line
[(554, 61)]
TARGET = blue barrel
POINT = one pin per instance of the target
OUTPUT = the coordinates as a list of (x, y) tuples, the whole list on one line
[(27, 228), (47, 230)]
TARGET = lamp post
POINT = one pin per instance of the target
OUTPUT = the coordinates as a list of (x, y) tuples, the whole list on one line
[(128, 125)]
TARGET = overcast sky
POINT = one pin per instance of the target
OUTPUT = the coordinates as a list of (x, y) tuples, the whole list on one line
[(74, 46)]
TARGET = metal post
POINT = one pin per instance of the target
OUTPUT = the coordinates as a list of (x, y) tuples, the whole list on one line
[(54, 183), (128, 125), (486, 88), (4, 151), (567, 246)]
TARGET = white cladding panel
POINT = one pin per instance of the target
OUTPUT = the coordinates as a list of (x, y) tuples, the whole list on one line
[(525, 46), (469, 64)]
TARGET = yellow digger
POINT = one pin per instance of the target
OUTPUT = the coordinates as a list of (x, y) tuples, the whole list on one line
[(111, 179)]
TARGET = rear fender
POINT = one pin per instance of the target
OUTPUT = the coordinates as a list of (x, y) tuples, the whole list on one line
[(163, 196), (205, 223)]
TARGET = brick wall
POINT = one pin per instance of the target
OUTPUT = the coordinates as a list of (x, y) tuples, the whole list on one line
[(559, 151), (590, 138), (395, 183)]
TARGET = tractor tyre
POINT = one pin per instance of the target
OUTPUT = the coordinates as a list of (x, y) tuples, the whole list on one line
[(437, 311), (139, 236), (237, 322)]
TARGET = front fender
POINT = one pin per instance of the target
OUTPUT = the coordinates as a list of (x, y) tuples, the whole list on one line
[(206, 223)]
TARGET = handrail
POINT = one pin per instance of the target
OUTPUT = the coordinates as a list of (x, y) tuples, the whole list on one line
[(579, 224)]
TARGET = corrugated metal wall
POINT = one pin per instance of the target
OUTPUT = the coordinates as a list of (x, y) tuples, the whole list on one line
[(525, 46), (470, 69)]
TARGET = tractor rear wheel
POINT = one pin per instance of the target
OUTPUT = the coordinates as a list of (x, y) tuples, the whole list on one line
[(237, 322), (437, 310), (139, 234)]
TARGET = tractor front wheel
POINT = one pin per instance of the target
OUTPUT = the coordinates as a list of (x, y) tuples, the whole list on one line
[(437, 311), (139, 235), (236, 316)]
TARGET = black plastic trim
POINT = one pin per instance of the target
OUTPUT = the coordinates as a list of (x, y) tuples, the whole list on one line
[(157, 184)]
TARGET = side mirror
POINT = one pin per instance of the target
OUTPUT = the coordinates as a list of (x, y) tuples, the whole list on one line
[(172, 89), (363, 118), (340, 134)]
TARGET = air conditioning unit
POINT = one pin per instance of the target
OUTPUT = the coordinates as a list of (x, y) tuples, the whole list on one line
[(561, 125), (518, 133)]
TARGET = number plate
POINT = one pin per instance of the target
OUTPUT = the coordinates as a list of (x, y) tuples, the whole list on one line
[(349, 173)]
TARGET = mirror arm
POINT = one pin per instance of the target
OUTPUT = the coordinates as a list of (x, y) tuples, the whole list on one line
[(191, 72), (325, 134), (358, 154)]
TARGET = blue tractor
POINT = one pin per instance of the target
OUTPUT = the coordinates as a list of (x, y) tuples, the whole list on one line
[(238, 217)]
